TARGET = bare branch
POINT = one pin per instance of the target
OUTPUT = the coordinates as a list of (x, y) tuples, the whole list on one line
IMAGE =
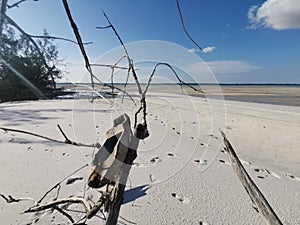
[(64, 213), (183, 26), (102, 28), (254, 193), (59, 202), (2, 13), (10, 199), (49, 139), (181, 82), (131, 69), (79, 40), (130, 63), (110, 66), (17, 4), (58, 38)]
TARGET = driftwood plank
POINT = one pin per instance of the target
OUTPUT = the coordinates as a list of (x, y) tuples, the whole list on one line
[(256, 196)]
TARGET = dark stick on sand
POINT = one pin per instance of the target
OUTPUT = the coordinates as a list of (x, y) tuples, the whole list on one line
[(256, 196)]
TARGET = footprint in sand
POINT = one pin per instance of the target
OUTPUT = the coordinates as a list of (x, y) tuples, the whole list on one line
[(201, 162), (155, 159), (293, 177), (223, 161), (203, 223), (268, 172), (181, 198)]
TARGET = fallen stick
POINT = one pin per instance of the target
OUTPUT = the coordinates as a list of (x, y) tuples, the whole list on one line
[(67, 141), (256, 196)]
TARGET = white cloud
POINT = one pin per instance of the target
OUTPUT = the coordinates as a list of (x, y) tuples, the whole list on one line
[(223, 67), (204, 50), (208, 49), (276, 14)]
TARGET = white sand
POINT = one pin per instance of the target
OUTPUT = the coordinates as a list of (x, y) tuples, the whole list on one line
[(179, 176)]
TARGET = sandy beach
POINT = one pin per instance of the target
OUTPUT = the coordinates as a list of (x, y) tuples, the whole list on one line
[(181, 174)]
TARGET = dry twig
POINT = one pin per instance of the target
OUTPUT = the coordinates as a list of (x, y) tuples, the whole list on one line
[(49, 139), (183, 26)]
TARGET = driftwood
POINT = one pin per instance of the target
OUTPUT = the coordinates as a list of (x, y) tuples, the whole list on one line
[(254, 193), (110, 168), (112, 164)]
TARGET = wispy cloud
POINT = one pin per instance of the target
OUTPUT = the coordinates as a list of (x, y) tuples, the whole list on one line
[(275, 14), (204, 50), (223, 67)]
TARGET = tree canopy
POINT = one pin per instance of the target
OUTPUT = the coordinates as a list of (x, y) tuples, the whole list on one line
[(27, 71)]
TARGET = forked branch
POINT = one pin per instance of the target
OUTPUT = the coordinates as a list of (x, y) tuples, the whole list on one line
[(49, 139)]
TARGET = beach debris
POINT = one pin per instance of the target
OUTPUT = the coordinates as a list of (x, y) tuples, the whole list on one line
[(170, 154), (254, 193)]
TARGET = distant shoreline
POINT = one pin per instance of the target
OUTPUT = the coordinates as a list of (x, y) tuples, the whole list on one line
[(276, 94)]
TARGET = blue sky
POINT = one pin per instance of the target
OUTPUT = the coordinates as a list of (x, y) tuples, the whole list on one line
[(247, 41)]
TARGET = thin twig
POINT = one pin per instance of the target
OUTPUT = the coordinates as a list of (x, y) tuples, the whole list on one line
[(59, 202), (183, 26), (64, 213), (128, 221), (56, 185), (181, 82), (58, 38), (10, 199), (47, 138), (130, 65), (110, 66), (16, 4), (63, 133)]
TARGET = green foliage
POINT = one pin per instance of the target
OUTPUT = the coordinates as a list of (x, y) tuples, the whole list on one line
[(23, 56)]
